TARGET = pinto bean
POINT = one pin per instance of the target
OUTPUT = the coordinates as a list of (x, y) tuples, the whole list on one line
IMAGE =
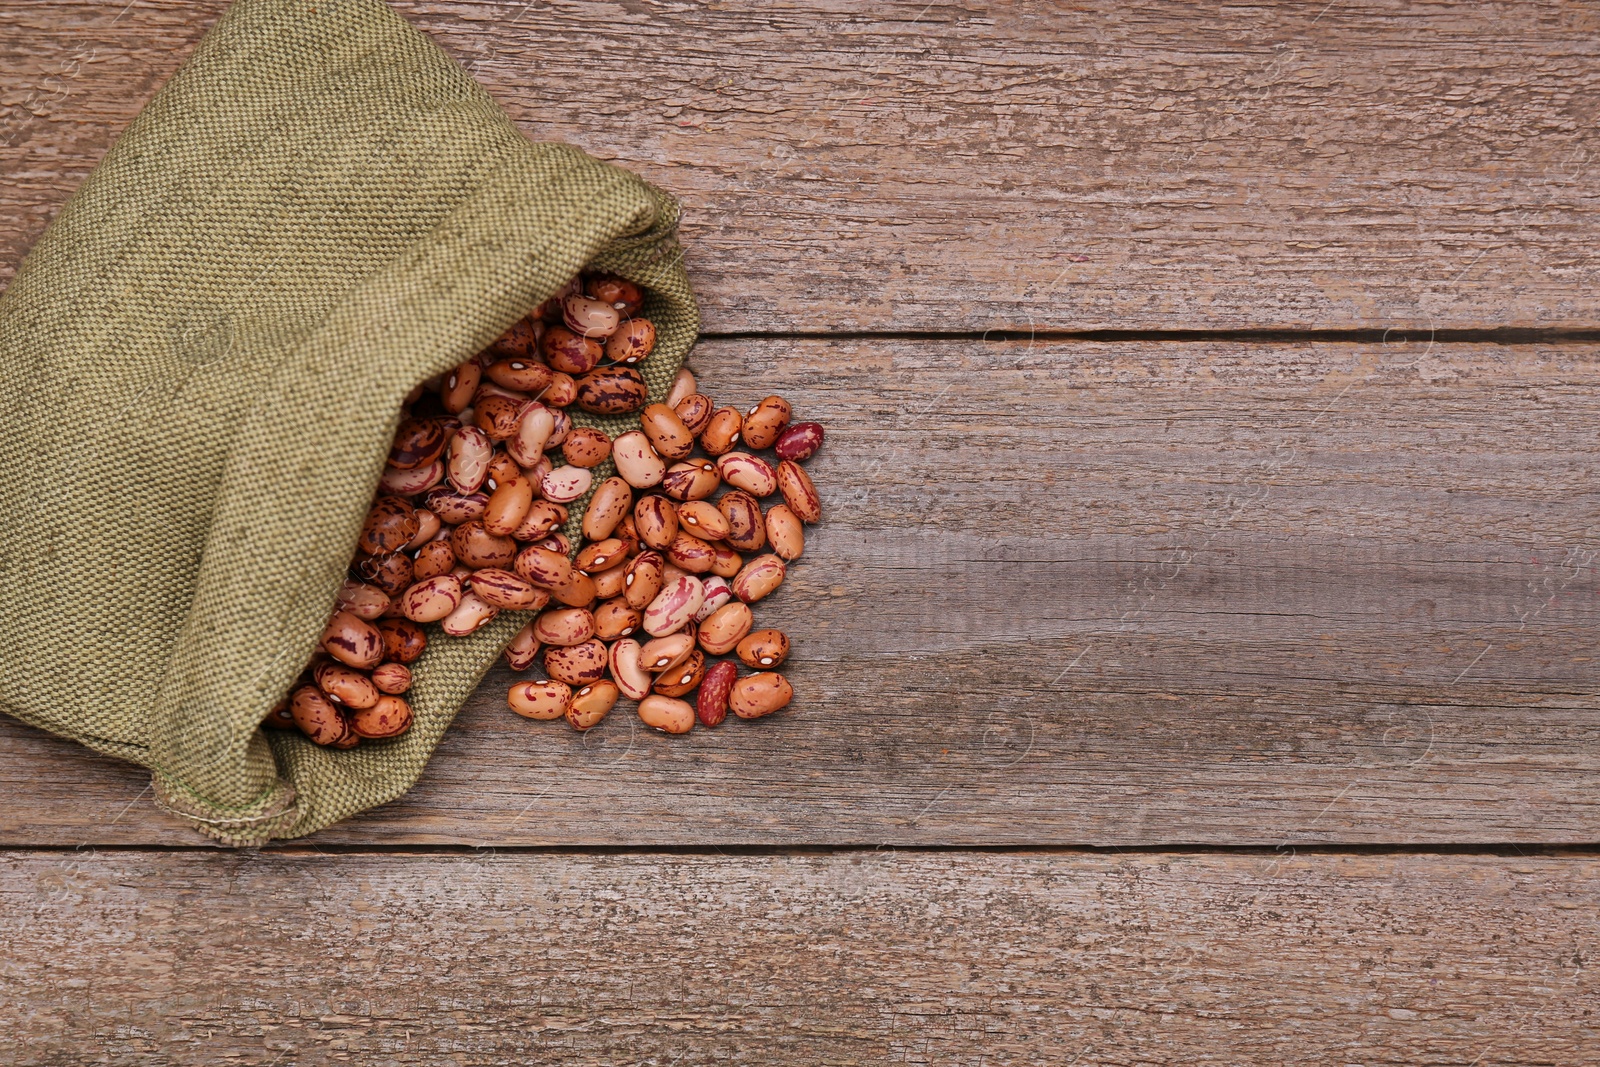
[(391, 678), (674, 607), (534, 429), (586, 447), (628, 671), (683, 384), (433, 559), (722, 431), (725, 628), (786, 532), (502, 589), (454, 508), (566, 484), (390, 525), (693, 479), (611, 391), (543, 567), (560, 627), (403, 640), (703, 519), (758, 578), (798, 492), (620, 293), (540, 700), (691, 553), (591, 704), (632, 343), (765, 422), (615, 618), (362, 600), (668, 435), (475, 546), (656, 520), (747, 532), (520, 373), (431, 599), (569, 351), (417, 443), (411, 482), (644, 579), (352, 641), (542, 517), (459, 387), (576, 664), (470, 453), (316, 715), (718, 593), (522, 649), (497, 416), (682, 678), (636, 460), (764, 649), (508, 506), (664, 653), (695, 411), (588, 317), (799, 442), (344, 686), (598, 556), (471, 615)]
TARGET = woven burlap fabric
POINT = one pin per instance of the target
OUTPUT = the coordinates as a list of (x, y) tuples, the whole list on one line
[(205, 357)]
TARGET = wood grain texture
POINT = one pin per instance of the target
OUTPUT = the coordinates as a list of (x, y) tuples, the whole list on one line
[(916, 166), (132, 958), (1096, 593)]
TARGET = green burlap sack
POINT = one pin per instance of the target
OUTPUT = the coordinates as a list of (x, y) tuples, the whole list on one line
[(205, 357)]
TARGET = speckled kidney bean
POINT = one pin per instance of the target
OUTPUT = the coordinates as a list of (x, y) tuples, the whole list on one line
[(655, 518), (522, 649), (561, 627), (717, 593), (614, 618), (411, 482), (345, 686), (664, 653), (785, 531), (694, 411), (722, 431), (352, 641), (724, 560), (711, 706), (389, 717), (611, 391), (403, 640), (570, 352), (759, 694), (501, 588), (668, 435), (577, 591), (703, 519), (459, 386), (470, 453), (502, 468), (682, 678), (518, 340), (586, 447), (644, 579), (799, 442), (428, 525), (508, 506), (540, 700), (763, 649), (362, 600), (391, 678), (588, 317), (496, 415), (469, 616), (576, 664), (765, 422), (534, 428), (691, 553), (433, 559), (751, 473), (627, 670), (431, 599), (758, 578), (543, 567), (542, 517), (390, 525), (598, 555), (620, 293), (611, 581), (636, 460), (454, 508), (683, 384), (674, 607), (632, 343), (693, 479), (610, 504), (417, 443), (566, 484), (591, 704), (317, 716), (725, 628), (522, 374), (390, 573), (798, 492), (746, 530), (667, 714), (475, 546)]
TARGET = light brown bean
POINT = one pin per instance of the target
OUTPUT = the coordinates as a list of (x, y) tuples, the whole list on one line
[(615, 618), (317, 716), (692, 554), (345, 686), (693, 479), (391, 678), (644, 579), (786, 532), (389, 717), (759, 577), (759, 694), (508, 506), (470, 454), (747, 531), (610, 504), (543, 567), (703, 519), (656, 520), (504, 589), (667, 714), (722, 432), (599, 555), (663, 653), (674, 607), (470, 615), (765, 422), (636, 460), (522, 649), (682, 678), (751, 473)]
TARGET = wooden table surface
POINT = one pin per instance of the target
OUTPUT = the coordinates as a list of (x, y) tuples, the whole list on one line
[(1197, 664)]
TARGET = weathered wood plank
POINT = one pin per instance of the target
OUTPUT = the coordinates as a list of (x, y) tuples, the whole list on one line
[(1097, 593), (942, 958), (958, 166)]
